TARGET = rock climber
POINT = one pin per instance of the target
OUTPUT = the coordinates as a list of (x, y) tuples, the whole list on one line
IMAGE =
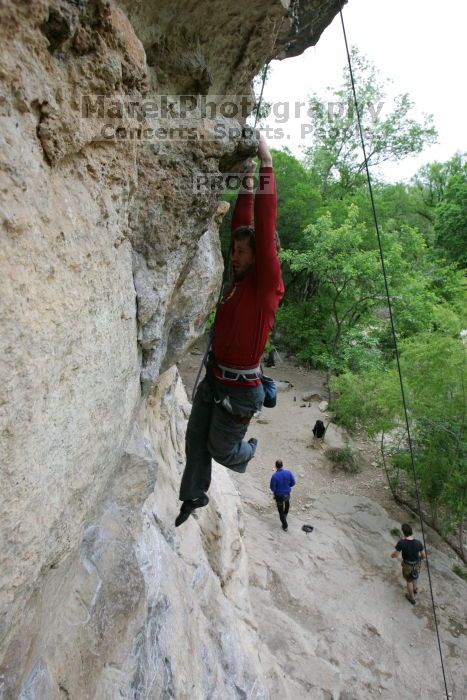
[(231, 392), (412, 554), (281, 485)]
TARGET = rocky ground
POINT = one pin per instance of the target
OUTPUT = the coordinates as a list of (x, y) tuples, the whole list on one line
[(330, 605)]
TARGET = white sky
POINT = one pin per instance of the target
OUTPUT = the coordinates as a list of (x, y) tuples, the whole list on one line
[(420, 44)]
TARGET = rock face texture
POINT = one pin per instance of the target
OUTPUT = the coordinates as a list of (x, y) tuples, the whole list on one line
[(134, 609), (109, 266)]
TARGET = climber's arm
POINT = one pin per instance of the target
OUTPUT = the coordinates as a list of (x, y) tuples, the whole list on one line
[(243, 212), (267, 265)]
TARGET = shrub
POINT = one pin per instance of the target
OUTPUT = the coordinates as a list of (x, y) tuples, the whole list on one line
[(343, 458)]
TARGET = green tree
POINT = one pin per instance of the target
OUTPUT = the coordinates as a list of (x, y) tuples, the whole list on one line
[(451, 219), (335, 311), (434, 370), (298, 198), (427, 189), (432, 179), (397, 205), (336, 153), (346, 281)]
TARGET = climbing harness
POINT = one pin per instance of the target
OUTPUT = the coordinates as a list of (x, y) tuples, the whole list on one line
[(239, 375), (394, 338)]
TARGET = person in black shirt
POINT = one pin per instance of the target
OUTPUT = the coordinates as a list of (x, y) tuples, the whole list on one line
[(412, 554), (319, 429)]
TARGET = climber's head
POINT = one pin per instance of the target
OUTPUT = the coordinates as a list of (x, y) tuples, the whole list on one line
[(243, 251), (279, 464)]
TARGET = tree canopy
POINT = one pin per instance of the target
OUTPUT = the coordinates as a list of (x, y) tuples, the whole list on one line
[(390, 132)]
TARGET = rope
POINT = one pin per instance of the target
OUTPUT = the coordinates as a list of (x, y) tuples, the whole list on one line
[(265, 73), (211, 333), (394, 337)]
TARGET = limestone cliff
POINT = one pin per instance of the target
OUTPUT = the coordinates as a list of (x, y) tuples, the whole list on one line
[(109, 265)]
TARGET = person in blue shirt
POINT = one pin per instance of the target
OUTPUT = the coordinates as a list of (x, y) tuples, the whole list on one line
[(281, 485)]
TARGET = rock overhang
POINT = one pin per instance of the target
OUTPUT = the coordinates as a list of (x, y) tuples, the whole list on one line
[(217, 48)]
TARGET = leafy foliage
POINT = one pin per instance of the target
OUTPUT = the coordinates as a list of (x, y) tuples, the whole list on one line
[(346, 276), (298, 198), (451, 218), (343, 458), (336, 152), (434, 371)]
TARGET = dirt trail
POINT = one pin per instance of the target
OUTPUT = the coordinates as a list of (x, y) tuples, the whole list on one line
[(330, 605)]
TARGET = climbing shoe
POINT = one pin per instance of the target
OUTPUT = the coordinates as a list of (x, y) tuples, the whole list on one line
[(189, 506), (411, 600)]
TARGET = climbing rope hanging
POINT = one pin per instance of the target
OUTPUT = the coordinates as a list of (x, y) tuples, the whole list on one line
[(211, 333), (394, 338), (265, 75)]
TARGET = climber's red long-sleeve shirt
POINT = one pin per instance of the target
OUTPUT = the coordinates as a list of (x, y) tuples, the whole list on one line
[(246, 315)]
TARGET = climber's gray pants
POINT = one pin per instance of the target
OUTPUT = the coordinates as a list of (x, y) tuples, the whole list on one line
[(215, 432)]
